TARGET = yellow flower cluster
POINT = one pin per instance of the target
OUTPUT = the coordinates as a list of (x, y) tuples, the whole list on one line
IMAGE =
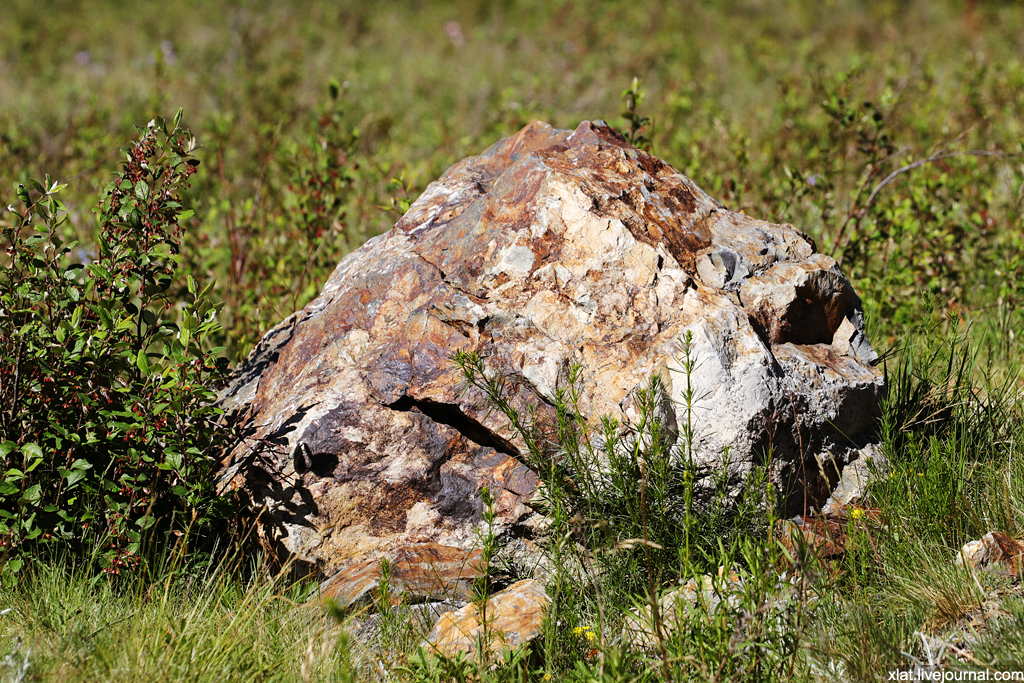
[(581, 632)]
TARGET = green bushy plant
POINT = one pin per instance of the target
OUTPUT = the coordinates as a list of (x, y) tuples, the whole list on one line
[(637, 135), (104, 371), (628, 486), (633, 515)]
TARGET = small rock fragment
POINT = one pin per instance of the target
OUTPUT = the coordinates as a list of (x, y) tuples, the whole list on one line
[(429, 571), (853, 485), (514, 617), (994, 550)]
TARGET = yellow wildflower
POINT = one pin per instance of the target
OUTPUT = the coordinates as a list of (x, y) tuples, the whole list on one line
[(591, 636), (857, 513)]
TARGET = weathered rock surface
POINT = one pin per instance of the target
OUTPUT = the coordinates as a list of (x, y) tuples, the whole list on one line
[(424, 571), (420, 618), (514, 617), (856, 479), (995, 550), (551, 247), (826, 535), (699, 596)]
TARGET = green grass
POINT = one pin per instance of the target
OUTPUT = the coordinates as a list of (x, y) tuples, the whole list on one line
[(71, 625), (954, 477), (896, 596), (792, 112)]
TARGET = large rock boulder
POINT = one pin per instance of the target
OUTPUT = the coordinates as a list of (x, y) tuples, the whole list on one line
[(551, 247)]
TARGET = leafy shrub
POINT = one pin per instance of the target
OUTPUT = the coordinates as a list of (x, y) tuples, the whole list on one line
[(106, 415)]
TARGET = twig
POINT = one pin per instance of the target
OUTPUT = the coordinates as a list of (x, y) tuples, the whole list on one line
[(858, 211), (927, 160), (872, 169)]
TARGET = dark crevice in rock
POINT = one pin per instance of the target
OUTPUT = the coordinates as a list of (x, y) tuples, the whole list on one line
[(451, 415), (519, 531), (460, 325), (444, 278), (759, 330)]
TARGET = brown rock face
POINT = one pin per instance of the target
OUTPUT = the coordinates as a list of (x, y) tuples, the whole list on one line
[(551, 247), (425, 571), (994, 550), (514, 617)]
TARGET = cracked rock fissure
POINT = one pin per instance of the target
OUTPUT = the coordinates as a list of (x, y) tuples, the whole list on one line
[(450, 415)]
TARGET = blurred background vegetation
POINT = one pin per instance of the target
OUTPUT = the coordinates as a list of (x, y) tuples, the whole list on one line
[(319, 121)]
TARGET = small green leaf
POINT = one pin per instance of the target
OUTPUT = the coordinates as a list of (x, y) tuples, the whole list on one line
[(32, 494), (32, 450), (142, 190), (75, 476), (143, 363), (174, 460)]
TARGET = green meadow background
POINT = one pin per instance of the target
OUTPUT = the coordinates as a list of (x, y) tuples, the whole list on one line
[(790, 111)]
